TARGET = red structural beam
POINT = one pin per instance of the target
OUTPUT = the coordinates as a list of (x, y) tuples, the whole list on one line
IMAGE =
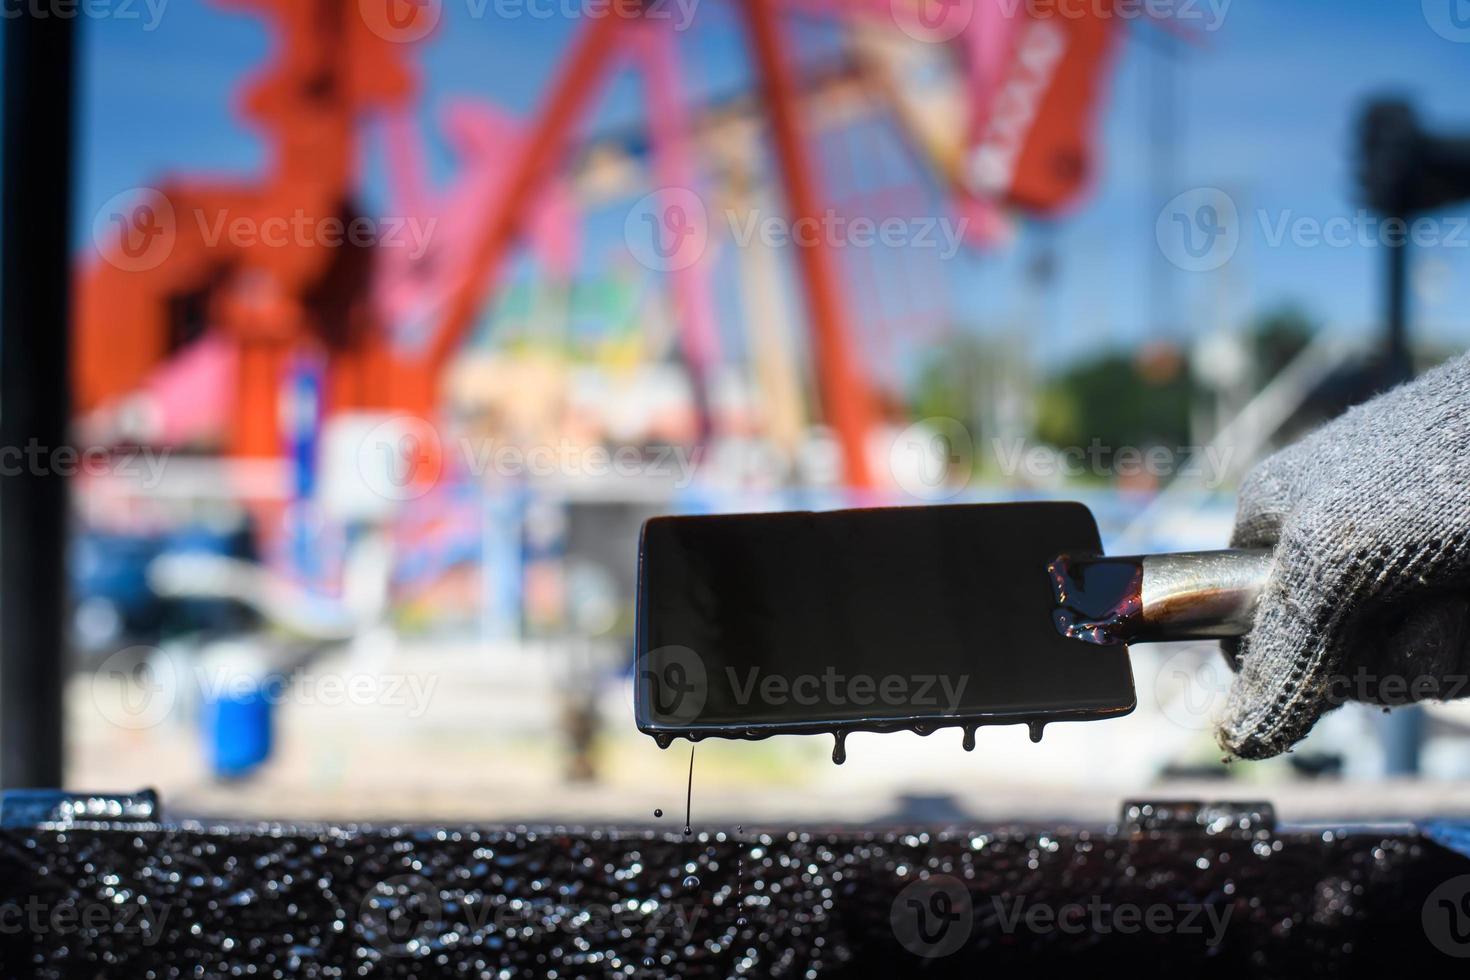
[(576, 83), (847, 401)]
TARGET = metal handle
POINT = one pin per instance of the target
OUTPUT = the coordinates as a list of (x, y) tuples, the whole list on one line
[(1152, 598), (1201, 594)]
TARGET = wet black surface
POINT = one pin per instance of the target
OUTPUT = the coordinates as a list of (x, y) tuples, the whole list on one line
[(1152, 896)]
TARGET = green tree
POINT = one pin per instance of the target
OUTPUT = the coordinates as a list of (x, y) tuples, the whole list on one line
[(1119, 399), (1276, 338)]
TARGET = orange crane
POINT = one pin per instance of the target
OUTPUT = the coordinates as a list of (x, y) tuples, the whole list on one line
[(179, 263)]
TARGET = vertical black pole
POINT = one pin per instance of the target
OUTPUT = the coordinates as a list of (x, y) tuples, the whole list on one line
[(35, 324), (1402, 735), (1398, 364)]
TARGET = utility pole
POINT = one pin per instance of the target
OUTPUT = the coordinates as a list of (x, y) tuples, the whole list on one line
[(35, 401)]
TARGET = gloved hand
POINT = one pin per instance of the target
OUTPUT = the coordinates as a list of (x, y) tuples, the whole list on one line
[(1369, 600)]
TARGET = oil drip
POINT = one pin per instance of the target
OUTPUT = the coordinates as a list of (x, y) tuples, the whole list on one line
[(689, 797), (658, 812), (839, 750), (739, 879), (1099, 600)]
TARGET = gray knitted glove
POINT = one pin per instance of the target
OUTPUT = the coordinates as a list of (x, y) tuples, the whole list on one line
[(1370, 598)]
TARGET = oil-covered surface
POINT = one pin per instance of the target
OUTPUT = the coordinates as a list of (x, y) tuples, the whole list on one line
[(1099, 600), (1213, 893), (890, 618)]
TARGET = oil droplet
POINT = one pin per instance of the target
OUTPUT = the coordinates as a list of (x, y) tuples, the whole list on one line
[(969, 742), (1038, 728), (839, 750), (658, 813), (692, 881), (663, 740)]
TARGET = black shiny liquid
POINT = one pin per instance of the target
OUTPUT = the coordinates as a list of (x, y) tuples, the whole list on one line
[(865, 620), (1098, 600), (288, 902)]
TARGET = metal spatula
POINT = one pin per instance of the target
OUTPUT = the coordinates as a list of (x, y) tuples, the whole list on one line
[(918, 618)]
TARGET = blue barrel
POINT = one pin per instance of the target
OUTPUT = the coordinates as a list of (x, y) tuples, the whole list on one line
[(237, 728)]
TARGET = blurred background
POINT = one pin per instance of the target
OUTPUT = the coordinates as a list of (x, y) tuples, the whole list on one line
[(393, 319)]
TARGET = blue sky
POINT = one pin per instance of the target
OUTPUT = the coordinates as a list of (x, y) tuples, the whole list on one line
[(1266, 108)]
